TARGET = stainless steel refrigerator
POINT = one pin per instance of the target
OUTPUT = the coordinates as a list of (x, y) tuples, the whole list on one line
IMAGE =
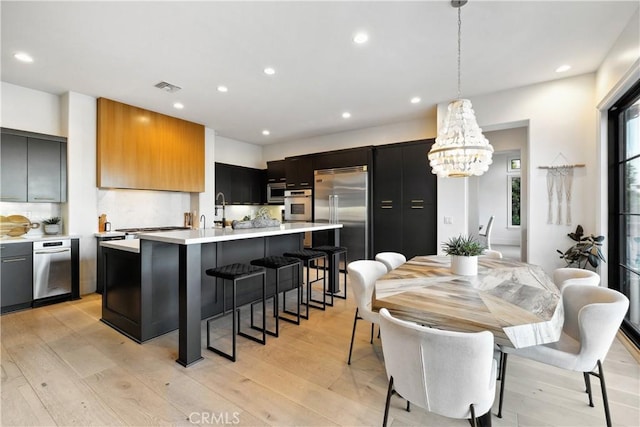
[(341, 196)]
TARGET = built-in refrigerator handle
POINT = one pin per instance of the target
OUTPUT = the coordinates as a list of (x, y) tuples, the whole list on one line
[(336, 210), (330, 209)]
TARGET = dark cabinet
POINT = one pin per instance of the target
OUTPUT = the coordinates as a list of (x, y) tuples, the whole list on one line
[(14, 168), (34, 167), (405, 202), (16, 276), (240, 185), (276, 171), (299, 172), (342, 158)]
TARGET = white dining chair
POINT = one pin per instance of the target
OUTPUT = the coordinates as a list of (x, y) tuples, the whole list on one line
[(363, 275), (485, 238), (489, 253), (592, 316), (575, 276), (448, 373), (391, 260)]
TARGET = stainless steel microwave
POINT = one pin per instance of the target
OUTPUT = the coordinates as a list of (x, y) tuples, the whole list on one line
[(275, 193)]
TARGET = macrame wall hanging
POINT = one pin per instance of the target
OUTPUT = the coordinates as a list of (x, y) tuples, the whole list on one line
[(559, 183)]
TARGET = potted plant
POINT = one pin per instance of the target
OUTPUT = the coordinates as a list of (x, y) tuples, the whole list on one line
[(52, 225), (464, 251), (587, 250)]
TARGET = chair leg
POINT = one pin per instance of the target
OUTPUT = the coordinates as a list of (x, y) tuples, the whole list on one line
[(605, 399), (408, 406), (386, 406), (372, 327), (503, 373), (500, 366), (587, 384), (353, 334), (473, 416)]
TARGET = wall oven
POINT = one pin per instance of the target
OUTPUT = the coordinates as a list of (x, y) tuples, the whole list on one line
[(275, 193), (298, 205)]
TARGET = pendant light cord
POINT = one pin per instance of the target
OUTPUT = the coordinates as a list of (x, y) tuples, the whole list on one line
[(459, 43)]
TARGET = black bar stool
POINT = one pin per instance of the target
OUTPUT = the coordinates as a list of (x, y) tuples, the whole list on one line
[(235, 273), (279, 263), (333, 254), (308, 257)]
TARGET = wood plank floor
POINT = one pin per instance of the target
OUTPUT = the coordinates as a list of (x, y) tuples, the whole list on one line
[(62, 366)]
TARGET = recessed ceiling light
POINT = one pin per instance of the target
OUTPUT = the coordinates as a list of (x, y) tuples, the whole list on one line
[(346, 115), (563, 68), (223, 89), (415, 100), (23, 57), (266, 132), (269, 71), (360, 38), (178, 106)]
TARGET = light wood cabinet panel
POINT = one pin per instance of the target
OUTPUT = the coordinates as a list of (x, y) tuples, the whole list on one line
[(141, 149)]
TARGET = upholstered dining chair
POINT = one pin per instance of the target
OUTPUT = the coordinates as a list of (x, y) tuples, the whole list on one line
[(485, 238), (448, 373), (592, 316), (363, 275), (391, 260), (574, 276), (489, 253)]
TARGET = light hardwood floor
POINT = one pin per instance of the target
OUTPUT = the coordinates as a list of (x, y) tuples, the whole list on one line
[(62, 366)]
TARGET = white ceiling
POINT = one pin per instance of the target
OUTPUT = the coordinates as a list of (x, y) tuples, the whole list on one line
[(120, 50)]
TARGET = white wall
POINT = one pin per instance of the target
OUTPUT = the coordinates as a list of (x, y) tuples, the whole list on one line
[(378, 135), (238, 153), (30, 110), (561, 118)]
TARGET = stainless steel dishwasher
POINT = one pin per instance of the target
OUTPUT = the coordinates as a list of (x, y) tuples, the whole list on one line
[(51, 268)]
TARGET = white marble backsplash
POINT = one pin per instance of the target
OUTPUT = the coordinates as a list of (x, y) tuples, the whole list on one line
[(36, 212), (143, 208)]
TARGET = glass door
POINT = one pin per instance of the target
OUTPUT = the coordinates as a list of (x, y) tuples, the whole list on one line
[(624, 198)]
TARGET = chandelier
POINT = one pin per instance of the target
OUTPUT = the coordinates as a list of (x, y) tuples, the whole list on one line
[(460, 149)]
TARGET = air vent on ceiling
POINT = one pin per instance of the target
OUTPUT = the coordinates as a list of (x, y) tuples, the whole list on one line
[(168, 87)]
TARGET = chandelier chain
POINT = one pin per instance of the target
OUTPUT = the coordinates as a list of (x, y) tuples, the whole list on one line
[(459, 49)]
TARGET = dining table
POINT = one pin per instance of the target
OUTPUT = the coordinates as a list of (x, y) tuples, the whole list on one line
[(516, 301)]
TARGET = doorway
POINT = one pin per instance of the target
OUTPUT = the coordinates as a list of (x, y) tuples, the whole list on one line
[(501, 193)]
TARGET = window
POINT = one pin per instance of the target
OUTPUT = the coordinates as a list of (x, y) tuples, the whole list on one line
[(513, 204), (624, 205)]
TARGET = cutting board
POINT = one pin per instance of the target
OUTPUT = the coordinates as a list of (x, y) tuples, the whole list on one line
[(15, 225)]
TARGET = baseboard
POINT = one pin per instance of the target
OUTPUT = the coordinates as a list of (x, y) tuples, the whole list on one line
[(631, 348)]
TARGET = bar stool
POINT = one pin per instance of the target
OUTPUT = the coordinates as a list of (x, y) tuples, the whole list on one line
[(334, 253), (279, 263), (235, 273), (307, 257)]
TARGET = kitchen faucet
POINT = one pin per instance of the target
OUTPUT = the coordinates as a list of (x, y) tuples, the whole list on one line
[(223, 205), (203, 220)]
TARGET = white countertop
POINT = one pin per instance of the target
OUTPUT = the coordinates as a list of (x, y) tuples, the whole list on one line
[(129, 245), (108, 234), (26, 238), (211, 235)]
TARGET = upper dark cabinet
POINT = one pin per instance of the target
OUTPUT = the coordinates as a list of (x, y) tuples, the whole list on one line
[(342, 158), (34, 167), (240, 185), (299, 172), (276, 171), (13, 172)]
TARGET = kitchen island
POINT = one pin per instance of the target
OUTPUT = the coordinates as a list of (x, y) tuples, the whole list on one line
[(159, 283)]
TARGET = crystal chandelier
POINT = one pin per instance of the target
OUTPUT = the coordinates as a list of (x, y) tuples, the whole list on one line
[(460, 149)]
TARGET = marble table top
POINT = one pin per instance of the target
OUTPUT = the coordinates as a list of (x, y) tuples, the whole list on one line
[(516, 301)]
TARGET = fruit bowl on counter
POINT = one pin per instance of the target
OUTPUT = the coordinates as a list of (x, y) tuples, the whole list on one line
[(16, 225)]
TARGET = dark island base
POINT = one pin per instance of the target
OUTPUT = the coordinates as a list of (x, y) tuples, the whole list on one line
[(141, 292)]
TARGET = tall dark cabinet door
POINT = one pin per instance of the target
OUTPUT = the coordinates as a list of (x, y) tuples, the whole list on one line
[(419, 188), (387, 200), (13, 173), (43, 169)]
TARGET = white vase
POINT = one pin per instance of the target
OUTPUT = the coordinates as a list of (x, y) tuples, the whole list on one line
[(51, 228), (464, 265)]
